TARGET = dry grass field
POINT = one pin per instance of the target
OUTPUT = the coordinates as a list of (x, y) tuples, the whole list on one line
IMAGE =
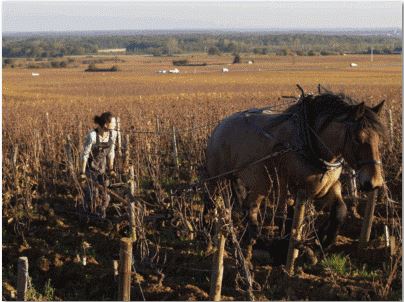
[(40, 194)]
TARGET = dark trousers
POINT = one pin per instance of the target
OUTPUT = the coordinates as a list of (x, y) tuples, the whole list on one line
[(96, 197)]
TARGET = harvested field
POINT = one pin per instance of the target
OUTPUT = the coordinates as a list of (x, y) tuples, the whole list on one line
[(172, 260)]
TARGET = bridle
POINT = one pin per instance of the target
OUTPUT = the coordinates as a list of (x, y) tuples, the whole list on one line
[(330, 166), (359, 163)]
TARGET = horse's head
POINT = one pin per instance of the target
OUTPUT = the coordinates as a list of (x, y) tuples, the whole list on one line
[(364, 132), (353, 131)]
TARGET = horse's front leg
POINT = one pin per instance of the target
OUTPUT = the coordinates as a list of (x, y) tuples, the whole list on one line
[(254, 200), (330, 229)]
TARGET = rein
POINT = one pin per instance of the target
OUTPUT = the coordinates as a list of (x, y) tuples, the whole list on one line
[(362, 163)]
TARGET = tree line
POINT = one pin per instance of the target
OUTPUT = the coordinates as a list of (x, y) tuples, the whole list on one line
[(213, 44)]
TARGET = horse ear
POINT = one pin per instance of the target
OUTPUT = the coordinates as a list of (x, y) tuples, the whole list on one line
[(378, 108), (358, 110)]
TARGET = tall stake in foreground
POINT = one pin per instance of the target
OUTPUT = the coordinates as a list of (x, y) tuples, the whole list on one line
[(217, 264), (22, 279), (296, 233), (368, 219), (125, 269)]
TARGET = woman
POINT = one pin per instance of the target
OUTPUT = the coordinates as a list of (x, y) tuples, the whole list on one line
[(98, 155)]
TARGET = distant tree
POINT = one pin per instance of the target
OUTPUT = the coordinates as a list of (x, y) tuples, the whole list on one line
[(212, 51), (282, 52), (180, 62), (398, 49), (236, 59), (172, 46), (325, 53), (91, 66), (8, 61)]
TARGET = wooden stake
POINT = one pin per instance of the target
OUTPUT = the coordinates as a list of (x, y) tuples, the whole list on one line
[(47, 122), (22, 279), (175, 148), (132, 183), (39, 151), (125, 269), (127, 152), (15, 154), (393, 246), (368, 219), (387, 235), (132, 220), (131, 205), (391, 129), (296, 233), (157, 124), (119, 138), (80, 134), (217, 264)]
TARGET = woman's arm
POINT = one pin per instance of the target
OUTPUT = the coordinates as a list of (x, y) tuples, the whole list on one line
[(88, 143)]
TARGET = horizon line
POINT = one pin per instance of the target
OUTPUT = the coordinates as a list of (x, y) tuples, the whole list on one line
[(310, 29)]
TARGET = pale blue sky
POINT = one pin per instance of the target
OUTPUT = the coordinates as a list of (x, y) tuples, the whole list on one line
[(19, 16)]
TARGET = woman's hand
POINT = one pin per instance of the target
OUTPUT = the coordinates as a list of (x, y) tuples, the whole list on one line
[(112, 174), (82, 177)]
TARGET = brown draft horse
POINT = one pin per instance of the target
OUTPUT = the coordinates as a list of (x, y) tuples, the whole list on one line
[(312, 137)]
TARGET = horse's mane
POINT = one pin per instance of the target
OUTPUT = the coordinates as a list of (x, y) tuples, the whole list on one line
[(329, 105)]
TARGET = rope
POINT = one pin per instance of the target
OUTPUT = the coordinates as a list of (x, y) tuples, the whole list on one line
[(271, 155)]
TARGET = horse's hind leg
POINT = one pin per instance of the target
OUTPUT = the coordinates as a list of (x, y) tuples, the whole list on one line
[(329, 231)]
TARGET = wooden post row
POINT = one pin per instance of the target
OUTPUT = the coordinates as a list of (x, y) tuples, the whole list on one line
[(125, 269), (296, 233), (22, 279)]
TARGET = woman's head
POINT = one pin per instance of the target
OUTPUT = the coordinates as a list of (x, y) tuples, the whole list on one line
[(105, 120)]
